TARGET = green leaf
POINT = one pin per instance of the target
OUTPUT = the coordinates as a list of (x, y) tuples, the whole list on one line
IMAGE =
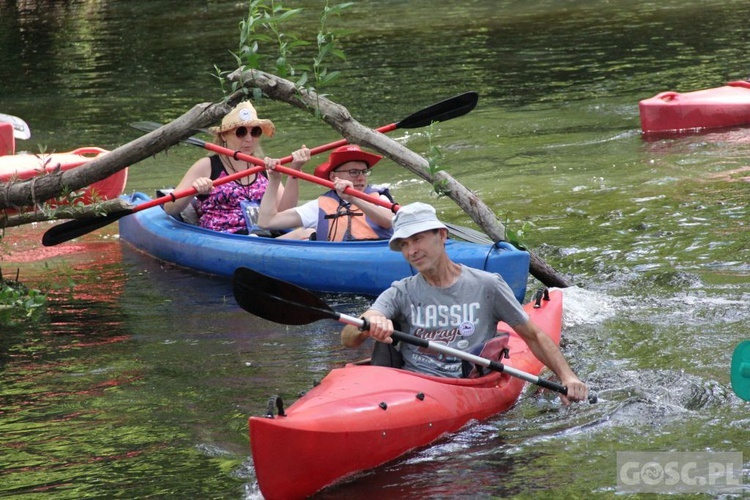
[(331, 77), (286, 15), (298, 43), (325, 49), (339, 53)]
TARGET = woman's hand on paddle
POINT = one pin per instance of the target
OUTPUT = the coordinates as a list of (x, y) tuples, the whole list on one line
[(203, 185), (299, 158), (271, 164)]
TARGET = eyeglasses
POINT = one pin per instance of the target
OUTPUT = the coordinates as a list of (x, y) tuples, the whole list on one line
[(241, 132), (354, 172)]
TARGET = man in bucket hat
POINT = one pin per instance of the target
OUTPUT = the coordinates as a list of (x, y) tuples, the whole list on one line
[(457, 304), (334, 216)]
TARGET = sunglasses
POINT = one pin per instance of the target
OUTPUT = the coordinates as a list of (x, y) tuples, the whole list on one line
[(241, 132)]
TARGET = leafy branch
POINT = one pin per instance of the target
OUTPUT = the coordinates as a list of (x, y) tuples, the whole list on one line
[(434, 156), (327, 41), (517, 237), (264, 27), (18, 300)]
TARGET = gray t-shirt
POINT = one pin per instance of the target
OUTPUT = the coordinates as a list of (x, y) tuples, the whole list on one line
[(462, 316)]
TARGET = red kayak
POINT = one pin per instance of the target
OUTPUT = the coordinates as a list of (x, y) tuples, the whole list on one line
[(26, 166), (362, 416), (719, 107)]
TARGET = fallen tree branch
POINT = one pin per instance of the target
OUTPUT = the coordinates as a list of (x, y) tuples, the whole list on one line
[(339, 118), (27, 193), (65, 212)]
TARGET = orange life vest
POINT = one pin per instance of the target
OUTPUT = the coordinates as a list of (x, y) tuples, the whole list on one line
[(342, 221)]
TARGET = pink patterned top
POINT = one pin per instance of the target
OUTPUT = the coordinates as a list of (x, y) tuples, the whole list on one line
[(221, 210)]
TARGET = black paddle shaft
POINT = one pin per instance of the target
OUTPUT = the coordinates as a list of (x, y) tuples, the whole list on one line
[(288, 304), (478, 360)]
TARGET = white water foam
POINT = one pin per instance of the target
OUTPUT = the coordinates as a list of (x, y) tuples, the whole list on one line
[(586, 307)]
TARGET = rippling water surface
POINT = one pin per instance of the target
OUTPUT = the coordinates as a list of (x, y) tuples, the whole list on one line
[(138, 378)]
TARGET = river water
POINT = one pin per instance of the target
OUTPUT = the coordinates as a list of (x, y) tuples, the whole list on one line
[(138, 379)]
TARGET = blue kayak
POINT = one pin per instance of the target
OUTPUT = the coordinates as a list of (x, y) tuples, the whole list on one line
[(362, 267)]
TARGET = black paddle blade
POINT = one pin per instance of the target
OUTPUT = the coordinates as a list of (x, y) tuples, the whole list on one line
[(146, 126), (78, 227), (151, 126), (278, 301), (468, 234), (441, 111)]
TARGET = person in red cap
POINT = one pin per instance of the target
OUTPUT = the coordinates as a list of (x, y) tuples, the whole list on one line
[(334, 216)]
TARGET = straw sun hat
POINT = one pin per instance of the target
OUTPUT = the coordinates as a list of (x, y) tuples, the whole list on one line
[(244, 115)]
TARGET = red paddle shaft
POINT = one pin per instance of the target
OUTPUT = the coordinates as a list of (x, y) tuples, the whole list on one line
[(191, 191), (237, 155), (441, 111), (444, 110)]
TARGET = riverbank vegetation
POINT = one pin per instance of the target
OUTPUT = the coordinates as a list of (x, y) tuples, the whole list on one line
[(17, 301)]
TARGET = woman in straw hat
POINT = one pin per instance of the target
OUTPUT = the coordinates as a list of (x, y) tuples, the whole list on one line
[(334, 216), (222, 208)]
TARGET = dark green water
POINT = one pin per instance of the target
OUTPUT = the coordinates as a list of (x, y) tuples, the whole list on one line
[(139, 378)]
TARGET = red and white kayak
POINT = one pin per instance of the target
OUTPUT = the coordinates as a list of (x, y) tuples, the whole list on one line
[(11, 128), (719, 107), (25, 166), (362, 416)]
